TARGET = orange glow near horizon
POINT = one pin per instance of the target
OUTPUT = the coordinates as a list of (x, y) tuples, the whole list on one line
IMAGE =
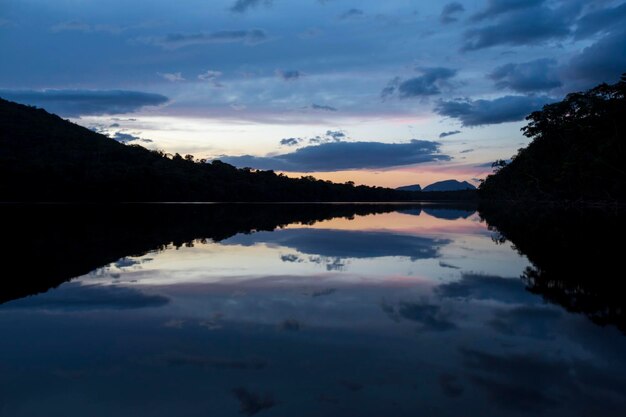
[(397, 177)]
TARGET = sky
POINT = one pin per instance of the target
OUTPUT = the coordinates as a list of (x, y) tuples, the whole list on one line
[(380, 93)]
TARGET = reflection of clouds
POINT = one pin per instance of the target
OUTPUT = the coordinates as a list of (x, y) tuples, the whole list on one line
[(346, 243), (251, 403), (450, 385), (537, 382), (431, 317), (290, 325), (210, 362), (174, 324), (487, 287), (73, 296), (537, 322)]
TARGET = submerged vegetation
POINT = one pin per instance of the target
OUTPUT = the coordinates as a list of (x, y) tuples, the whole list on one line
[(577, 151)]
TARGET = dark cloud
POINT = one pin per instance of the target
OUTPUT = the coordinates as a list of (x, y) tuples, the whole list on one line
[(487, 287), (329, 137), (528, 26), (289, 75), (322, 107), (601, 21), (337, 156), (604, 61), (290, 141), (429, 83), (450, 12), (537, 75), (486, 112), (466, 150), (180, 40), (499, 7), (450, 133), (351, 14), (447, 265), (73, 103), (74, 296), (127, 137), (251, 403), (430, 317), (242, 6), (346, 244)]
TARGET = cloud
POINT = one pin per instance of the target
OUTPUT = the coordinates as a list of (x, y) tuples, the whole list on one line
[(127, 137), (180, 40), (337, 156), (487, 112), (171, 76), (211, 76), (528, 26), (73, 103), (290, 141), (351, 14), (527, 321), (322, 107), (450, 133), (499, 7), (601, 21), (289, 75), (76, 26), (329, 136), (429, 83), (450, 12), (537, 75), (603, 61), (346, 244), (74, 296), (242, 6)]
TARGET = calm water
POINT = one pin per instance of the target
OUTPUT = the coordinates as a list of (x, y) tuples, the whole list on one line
[(299, 311)]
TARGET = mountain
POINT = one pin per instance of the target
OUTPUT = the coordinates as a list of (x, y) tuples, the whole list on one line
[(449, 185), (576, 152), (414, 187)]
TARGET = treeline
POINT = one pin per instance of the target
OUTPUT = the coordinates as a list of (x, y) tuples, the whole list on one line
[(46, 158), (577, 152)]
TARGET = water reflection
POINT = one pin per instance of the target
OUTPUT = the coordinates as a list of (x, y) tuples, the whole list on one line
[(303, 310)]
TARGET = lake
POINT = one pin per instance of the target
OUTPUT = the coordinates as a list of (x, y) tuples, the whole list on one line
[(310, 310)]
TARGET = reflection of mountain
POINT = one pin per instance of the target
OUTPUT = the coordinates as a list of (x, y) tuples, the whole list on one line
[(346, 243), (50, 244), (575, 263), (449, 214)]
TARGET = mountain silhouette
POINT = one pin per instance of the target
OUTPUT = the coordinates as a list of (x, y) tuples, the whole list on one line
[(449, 185)]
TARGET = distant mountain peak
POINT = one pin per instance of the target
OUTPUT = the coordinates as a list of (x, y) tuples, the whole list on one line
[(449, 185), (414, 187)]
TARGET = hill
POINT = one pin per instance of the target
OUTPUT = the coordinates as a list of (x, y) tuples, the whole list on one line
[(449, 185), (577, 151), (46, 158), (414, 187)]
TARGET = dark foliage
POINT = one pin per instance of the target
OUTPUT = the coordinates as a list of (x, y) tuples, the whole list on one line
[(575, 264), (577, 151), (46, 158)]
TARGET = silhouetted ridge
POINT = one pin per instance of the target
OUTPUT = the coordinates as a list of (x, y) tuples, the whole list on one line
[(46, 158)]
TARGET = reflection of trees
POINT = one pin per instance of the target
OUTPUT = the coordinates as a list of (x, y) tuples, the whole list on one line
[(46, 245), (576, 255)]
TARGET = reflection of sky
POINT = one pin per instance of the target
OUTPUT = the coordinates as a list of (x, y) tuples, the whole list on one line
[(302, 321)]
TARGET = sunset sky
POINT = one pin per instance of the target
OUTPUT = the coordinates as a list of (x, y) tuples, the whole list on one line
[(382, 93)]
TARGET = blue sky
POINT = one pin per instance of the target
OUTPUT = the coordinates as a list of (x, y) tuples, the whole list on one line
[(384, 93)]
